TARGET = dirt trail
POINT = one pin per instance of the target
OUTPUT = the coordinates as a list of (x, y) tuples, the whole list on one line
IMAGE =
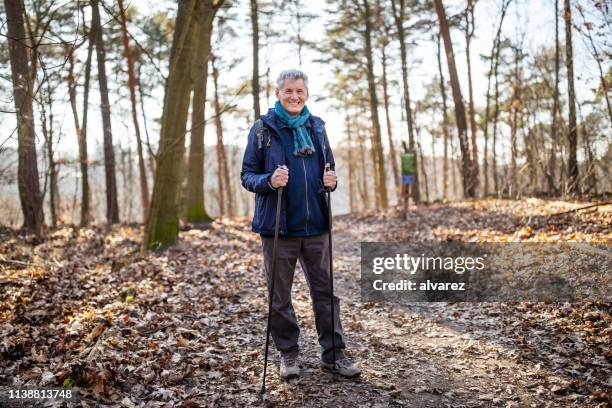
[(417, 356), (437, 354)]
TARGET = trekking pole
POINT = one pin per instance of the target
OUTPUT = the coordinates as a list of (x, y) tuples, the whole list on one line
[(273, 277), (331, 272)]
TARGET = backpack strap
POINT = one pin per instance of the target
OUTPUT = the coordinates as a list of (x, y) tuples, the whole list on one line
[(259, 129)]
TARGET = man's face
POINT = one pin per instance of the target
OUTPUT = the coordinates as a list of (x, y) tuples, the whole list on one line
[(292, 95)]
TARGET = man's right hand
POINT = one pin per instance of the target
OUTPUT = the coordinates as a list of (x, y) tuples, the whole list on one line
[(280, 177)]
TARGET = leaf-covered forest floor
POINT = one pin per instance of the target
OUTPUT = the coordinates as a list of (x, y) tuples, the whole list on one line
[(186, 326)]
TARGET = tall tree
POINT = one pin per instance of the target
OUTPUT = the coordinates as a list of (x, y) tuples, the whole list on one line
[(421, 162), (384, 42), (587, 31), (83, 161), (127, 175), (445, 124), (298, 30), (226, 192), (454, 166), (494, 64), (255, 76), (21, 75), (203, 20), (46, 101), (112, 207), (552, 161), (572, 131), (399, 17), (513, 120), (496, 112), (127, 52), (80, 127), (162, 225), (466, 162), (469, 33), (152, 156), (379, 163), (350, 160), (362, 140)]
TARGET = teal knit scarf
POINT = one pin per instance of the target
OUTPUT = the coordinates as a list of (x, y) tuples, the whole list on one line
[(302, 144)]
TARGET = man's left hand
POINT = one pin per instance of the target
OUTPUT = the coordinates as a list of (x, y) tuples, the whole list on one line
[(329, 178)]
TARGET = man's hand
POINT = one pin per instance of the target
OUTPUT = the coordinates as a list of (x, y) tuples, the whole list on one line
[(329, 178), (280, 177)]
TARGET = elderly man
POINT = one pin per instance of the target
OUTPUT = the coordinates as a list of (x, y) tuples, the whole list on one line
[(288, 148)]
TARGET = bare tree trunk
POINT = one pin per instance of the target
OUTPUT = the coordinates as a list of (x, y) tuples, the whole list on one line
[(590, 177), (496, 120), (422, 165), (597, 57), (151, 153), (469, 32), (54, 186), (492, 71), (268, 87), (512, 177), (21, 75), (373, 161), (196, 208), (144, 187), (399, 18), (112, 207), (466, 167), (51, 164), (129, 188), (300, 41), (163, 221), (255, 76), (455, 184), (86, 215), (203, 23), (486, 130), (552, 162), (350, 161), (529, 137), (73, 206), (572, 134), (379, 163), (542, 147), (392, 152), (85, 194), (220, 180), (363, 192), (434, 180), (126, 190), (362, 158), (225, 186), (515, 106), (445, 125)]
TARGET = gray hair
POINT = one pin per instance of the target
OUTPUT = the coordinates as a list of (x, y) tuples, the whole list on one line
[(291, 74)]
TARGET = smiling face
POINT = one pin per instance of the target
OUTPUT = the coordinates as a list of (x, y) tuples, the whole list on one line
[(292, 95)]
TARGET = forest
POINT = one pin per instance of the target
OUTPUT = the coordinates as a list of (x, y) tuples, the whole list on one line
[(128, 268)]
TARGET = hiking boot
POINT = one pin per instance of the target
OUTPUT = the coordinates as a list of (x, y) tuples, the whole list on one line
[(289, 368), (344, 367)]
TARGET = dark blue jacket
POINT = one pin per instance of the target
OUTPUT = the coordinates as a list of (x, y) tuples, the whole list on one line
[(304, 205)]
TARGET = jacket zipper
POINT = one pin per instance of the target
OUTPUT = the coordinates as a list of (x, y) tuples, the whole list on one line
[(306, 187)]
